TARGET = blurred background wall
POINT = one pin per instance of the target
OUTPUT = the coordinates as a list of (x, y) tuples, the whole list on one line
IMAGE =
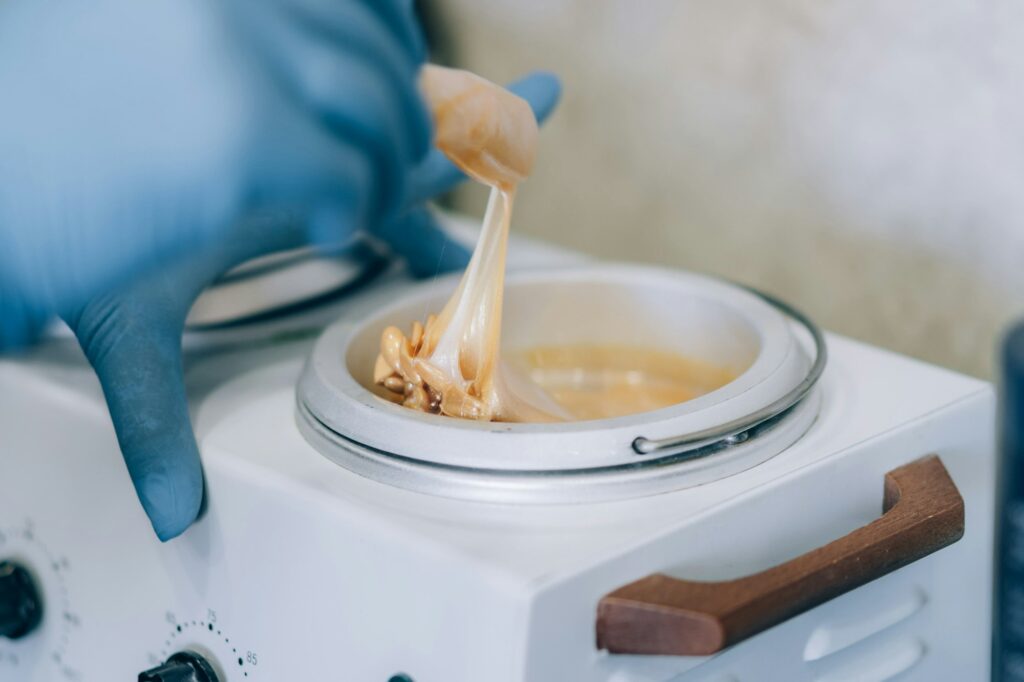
[(861, 158)]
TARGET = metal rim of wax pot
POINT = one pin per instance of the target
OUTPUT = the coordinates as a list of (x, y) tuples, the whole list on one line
[(639, 478), (741, 429), (667, 464), (367, 263)]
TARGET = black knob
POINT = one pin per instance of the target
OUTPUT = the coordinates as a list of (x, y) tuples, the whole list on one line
[(184, 666), (21, 609)]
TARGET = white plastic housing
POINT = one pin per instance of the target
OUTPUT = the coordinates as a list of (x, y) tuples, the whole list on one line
[(303, 570)]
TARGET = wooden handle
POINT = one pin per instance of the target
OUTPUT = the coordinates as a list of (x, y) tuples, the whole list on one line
[(922, 512)]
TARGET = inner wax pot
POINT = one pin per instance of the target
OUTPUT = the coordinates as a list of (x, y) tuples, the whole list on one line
[(765, 409)]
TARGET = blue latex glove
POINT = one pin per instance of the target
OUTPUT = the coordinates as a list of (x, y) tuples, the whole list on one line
[(133, 337), (135, 132)]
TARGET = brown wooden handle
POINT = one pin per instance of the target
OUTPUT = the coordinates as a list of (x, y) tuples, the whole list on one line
[(922, 512)]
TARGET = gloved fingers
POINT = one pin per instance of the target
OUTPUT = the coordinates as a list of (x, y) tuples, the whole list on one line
[(137, 355), (436, 174), (329, 224), (360, 100), (416, 236), (402, 16), (361, 90), (258, 234), (396, 23), (542, 90), (427, 249), (302, 165), (353, 29)]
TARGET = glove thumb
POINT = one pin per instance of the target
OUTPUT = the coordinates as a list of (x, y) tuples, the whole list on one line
[(136, 354)]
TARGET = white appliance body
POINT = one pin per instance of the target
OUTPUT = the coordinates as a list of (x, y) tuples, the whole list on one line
[(302, 570)]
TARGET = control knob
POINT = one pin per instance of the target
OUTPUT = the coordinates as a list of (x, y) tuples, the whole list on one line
[(184, 666), (21, 609)]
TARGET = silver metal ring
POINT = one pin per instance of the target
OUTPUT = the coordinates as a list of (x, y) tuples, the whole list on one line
[(738, 430)]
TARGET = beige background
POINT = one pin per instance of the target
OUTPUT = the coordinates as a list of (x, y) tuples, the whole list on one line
[(861, 158)]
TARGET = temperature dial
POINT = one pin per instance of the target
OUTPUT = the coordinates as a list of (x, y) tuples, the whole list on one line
[(184, 666), (21, 609)]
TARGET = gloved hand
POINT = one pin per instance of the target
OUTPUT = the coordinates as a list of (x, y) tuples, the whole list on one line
[(132, 337), (132, 133)]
